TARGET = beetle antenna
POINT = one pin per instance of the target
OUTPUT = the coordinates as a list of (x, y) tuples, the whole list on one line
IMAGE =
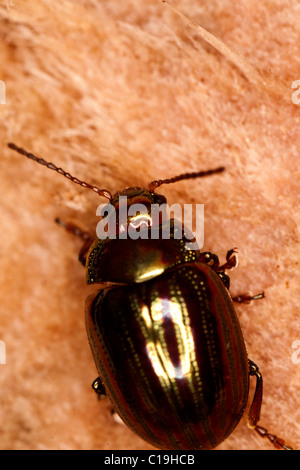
[(41, 161), (185, 176)]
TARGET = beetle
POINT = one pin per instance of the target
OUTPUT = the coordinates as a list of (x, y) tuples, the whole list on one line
[(163, 330)]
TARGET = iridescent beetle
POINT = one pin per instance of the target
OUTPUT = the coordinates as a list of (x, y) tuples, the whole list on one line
[(163, 331)]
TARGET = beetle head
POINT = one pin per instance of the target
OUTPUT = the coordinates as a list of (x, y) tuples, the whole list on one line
[(136, 209)]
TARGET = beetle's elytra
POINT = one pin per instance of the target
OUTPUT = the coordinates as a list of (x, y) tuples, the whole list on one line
[(164, 333)]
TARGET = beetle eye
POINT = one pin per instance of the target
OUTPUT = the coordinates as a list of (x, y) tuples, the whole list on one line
[(160, 199)]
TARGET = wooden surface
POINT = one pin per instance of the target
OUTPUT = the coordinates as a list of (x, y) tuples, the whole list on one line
[(119, 94)]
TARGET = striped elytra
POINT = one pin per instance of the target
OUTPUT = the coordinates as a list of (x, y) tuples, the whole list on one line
[(171, 355)]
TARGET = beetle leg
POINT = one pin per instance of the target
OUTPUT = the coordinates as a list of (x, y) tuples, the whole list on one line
[(246, 298), (99, 388), (73, 229), (85, 236), (254, 412), (231, 260)]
